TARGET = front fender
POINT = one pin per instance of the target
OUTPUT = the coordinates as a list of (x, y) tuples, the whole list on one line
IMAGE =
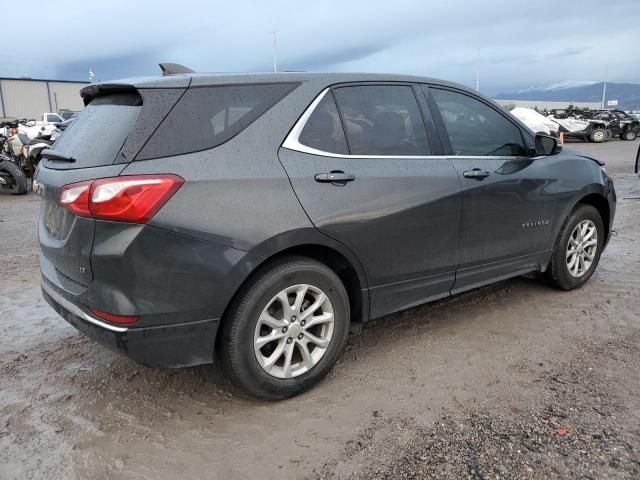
[(587, 193), (577, 177)]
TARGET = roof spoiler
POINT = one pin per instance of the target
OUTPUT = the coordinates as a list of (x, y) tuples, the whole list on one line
[(173, 69), (90, 92)]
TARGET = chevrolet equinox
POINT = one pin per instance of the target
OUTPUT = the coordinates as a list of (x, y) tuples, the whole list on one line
[(257, 218)]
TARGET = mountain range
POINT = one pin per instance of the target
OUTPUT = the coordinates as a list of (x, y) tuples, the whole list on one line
[(627, 94)]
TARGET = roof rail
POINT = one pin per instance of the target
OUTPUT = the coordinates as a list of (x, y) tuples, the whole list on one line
[(173, 69)]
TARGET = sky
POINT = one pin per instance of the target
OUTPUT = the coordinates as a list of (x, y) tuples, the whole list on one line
[(517, 44)]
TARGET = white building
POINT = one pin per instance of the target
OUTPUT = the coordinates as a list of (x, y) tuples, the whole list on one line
[(30, 98)]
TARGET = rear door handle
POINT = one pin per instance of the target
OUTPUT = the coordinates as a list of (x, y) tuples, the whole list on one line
[(335, 177), (476, 173)]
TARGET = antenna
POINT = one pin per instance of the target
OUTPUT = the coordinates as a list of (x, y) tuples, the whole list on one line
[(91, 74), (173, 69), (275, 51)]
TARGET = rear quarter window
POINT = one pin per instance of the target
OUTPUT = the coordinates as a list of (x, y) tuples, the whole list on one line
[(323, 131), (206, 117)]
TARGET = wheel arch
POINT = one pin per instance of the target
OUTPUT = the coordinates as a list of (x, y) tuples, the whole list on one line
[(343, 267), (600, 203), (320, 248), (592, 196)]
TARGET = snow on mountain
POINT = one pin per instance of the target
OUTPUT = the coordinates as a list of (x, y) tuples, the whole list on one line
[(558, 86)]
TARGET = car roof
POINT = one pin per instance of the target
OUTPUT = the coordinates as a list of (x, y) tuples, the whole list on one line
[(205, 79)]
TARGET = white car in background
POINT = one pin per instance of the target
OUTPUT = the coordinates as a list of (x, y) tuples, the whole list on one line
[(537, 122), (43, 127)]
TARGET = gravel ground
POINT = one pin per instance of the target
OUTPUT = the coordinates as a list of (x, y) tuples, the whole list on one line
[(514, 380)]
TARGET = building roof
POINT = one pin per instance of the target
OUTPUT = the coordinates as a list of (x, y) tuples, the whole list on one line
[(26, 79)]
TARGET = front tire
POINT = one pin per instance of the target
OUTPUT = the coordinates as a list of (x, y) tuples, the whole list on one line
[(598, 135), (286, 329), (577, 250), (629, 135)]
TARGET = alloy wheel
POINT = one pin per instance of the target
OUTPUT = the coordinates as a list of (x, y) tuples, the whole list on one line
[(582, 248), (294, 331)]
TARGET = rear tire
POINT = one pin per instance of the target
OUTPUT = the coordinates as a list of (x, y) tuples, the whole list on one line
[(290, 363), (568, 270), (598, 135), (15, 180)]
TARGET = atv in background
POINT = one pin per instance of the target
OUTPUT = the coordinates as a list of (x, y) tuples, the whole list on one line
[(594, 130), (596, 125), (621, 124), (562, 113)]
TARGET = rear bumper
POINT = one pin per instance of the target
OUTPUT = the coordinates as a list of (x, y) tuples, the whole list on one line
[(173, 345)]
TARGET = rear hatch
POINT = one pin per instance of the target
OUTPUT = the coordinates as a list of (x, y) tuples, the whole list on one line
[(99, 143)]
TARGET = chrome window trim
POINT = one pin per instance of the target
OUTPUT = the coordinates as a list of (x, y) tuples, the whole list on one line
[(292, 142), (74, 309)]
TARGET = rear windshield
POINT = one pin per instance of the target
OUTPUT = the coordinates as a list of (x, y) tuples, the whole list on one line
[(206, 117), (98, 132)]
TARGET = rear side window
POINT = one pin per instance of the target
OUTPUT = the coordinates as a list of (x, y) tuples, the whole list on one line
[(476, 129), (382, 120), (206, 117), (323, 130), (98, 132)]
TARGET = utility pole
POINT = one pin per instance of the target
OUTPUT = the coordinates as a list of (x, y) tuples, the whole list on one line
[(604, 86), (478, 71), (275, 56)]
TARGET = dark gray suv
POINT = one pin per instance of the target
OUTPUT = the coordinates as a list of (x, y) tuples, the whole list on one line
[(255, 217)]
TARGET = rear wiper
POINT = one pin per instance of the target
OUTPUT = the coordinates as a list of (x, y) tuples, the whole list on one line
[(54, 155)]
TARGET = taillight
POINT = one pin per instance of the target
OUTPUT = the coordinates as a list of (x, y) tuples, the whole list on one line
[(113, 318), (75, 197), (135, 198)]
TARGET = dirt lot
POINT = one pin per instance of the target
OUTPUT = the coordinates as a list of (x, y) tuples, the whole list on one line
[(515, 380)]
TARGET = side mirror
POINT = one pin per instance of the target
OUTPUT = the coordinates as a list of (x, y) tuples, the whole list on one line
[(637, 169), (547, 145)]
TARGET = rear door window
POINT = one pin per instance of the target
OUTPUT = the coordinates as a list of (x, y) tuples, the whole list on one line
[(323, 130), (98, 132), (382, 120), (206, 117), (476, 129)]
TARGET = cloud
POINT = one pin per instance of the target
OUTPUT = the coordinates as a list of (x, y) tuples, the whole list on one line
[(336, 56), (519, 44), (120, 66), (568, 52)]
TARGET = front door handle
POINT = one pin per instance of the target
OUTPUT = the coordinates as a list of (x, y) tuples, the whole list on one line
[(476, 173), (335, 177)]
